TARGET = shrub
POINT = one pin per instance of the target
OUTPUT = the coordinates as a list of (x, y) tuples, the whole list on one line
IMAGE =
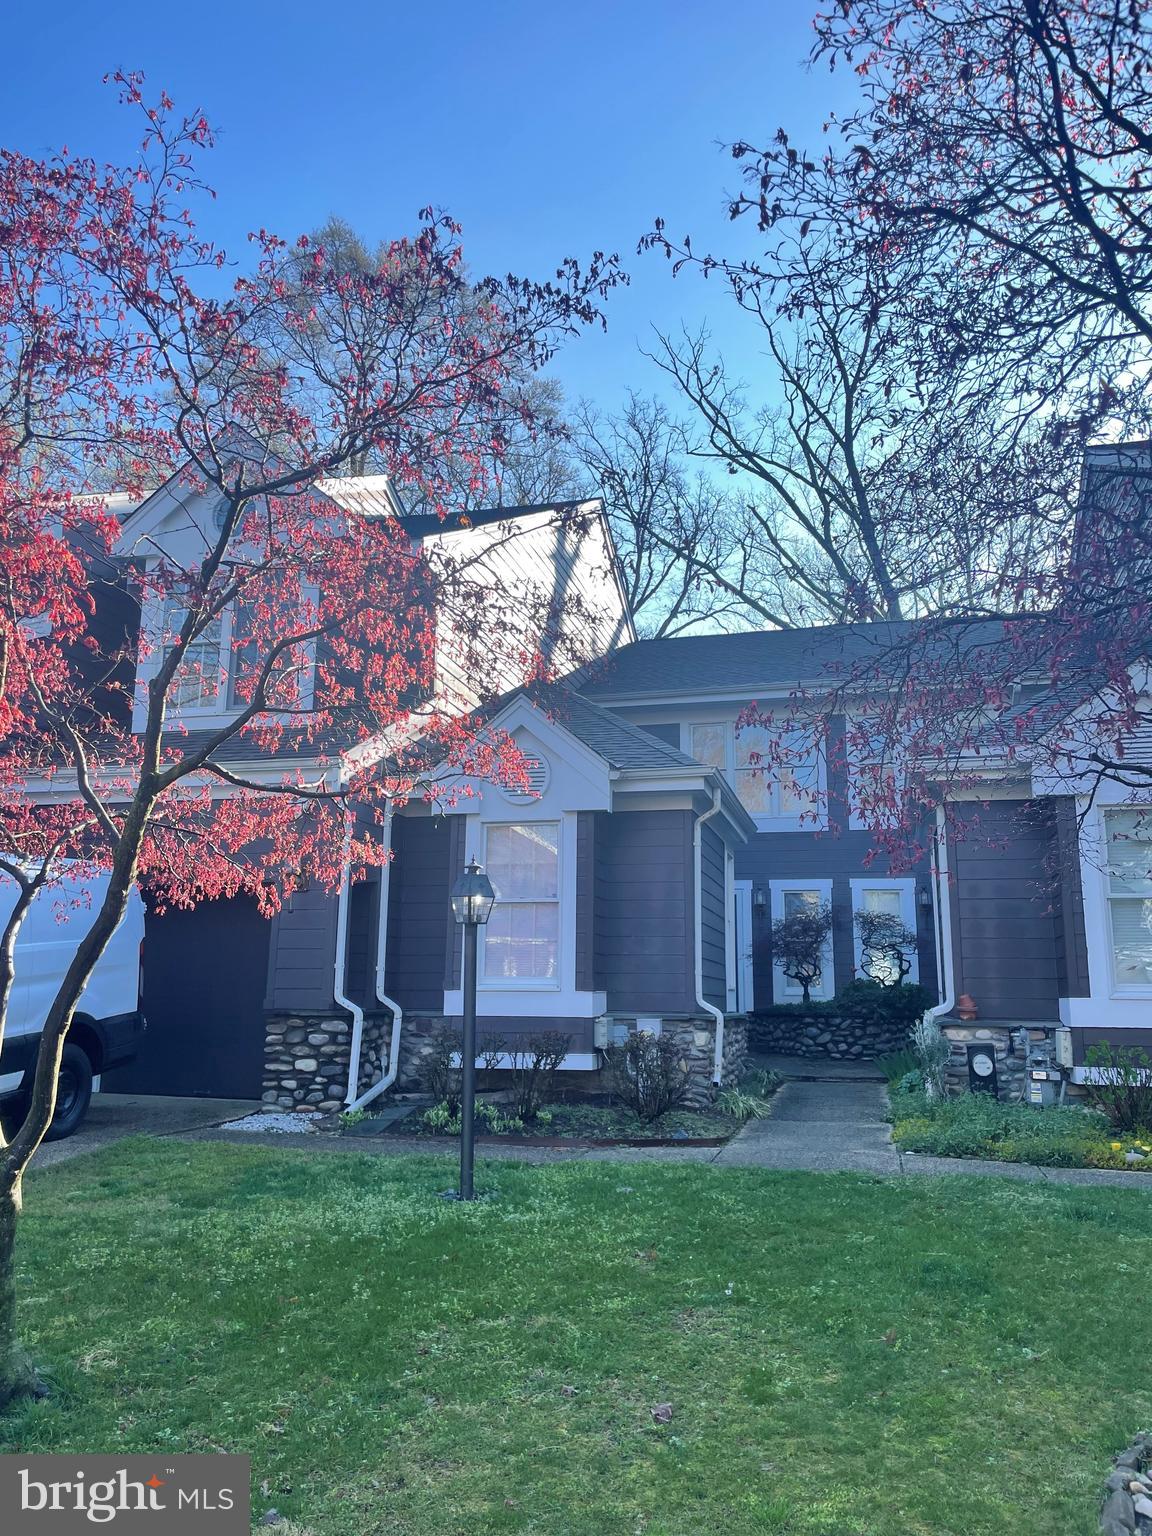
[(761, 1082), (873, 1002), (741, 1105), (442, 1075), (535, 1061), (932, 1052), (799, 942), (897, 1065), (977, 1125), (1126, 1095), (649, 1073), (490, 1118), (886, 946)]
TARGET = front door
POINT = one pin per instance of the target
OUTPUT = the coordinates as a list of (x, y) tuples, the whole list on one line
[(742, 926)]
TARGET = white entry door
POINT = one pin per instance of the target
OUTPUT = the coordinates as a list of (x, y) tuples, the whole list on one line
[(742, 926)]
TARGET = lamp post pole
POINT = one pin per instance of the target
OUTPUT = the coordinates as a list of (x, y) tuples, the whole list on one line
[(472, 899), (468, 1067)]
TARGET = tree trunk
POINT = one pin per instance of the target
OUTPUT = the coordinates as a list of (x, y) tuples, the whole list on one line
[(17, 1375)]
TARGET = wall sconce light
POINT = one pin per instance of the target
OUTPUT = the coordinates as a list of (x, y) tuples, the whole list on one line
[(924, 898), (759, 901)]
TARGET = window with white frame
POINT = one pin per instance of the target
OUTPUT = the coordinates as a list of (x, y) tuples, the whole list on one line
[(1129, 843), (199, 681), (522, 937), (896, 898), (788, 898), (877, 775), (775, 772)]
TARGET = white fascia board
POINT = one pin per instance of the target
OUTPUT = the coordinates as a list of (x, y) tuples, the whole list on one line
[(655, 780), (521, 712)]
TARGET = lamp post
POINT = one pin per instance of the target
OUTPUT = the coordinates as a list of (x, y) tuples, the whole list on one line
[(472, 899)]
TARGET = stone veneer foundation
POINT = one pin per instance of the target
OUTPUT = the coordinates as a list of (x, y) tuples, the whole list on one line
[(819, 1035), (306, 1058)]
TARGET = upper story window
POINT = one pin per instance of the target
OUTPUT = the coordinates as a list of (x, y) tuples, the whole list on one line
[(522, 937), (1129, 840), (776, 774), (877, 776), (201, 681)]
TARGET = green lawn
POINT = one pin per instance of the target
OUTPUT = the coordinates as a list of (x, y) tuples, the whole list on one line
[(978, 1125), (843, 1354)]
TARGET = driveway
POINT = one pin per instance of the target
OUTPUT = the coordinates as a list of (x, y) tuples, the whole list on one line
[(116, 1115)]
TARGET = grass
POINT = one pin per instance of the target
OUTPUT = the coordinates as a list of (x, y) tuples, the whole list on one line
[(977, 1125), (842, 1353)]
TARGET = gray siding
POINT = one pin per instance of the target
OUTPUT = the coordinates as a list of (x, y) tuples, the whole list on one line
[(712, 903), (417, 904), (1004, 900), (1071, 943), (645, 958), (301, 954), (585, 901), (840, 854)]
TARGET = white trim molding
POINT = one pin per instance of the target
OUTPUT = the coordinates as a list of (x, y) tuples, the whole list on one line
[(783, 989), (906, 886)]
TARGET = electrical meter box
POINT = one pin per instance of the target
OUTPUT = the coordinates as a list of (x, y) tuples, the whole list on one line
[(1063, 1043), (982, 1069)]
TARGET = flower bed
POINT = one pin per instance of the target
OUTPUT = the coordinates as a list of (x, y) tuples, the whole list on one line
[(558, 1124), (977, 1125)]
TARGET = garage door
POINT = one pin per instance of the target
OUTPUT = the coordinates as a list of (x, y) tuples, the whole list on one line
[(204, 981)]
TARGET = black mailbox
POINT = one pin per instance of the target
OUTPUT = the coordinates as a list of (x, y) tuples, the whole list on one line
[(982, 1069)]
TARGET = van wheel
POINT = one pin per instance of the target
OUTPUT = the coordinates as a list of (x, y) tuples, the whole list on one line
[(73, 1093)]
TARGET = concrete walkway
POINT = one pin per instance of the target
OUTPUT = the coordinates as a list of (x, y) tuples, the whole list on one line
[(112, 1116), (826, 1125)]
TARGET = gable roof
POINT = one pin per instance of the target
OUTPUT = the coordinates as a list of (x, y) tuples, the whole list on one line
[(772, 660), (626, 747)]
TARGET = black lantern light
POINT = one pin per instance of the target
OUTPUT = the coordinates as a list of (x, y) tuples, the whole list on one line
[(472, 895)]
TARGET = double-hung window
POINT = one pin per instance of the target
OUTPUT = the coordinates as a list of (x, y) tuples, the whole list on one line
[(522, 937), (199, 681), (1129, 842), (775, 772)]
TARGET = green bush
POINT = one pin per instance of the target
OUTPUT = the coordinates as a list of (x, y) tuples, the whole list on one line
[(649, 1073), (444, 1120), (897, 1065), (977, 1125), (1126, 1096), (863, 1002)]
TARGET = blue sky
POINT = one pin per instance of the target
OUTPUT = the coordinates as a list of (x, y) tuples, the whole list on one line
[(546, 129)]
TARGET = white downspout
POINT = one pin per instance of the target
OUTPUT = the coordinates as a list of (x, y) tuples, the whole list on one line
[(351, 1100), (945, 959), (718, 1053), (340, 967)]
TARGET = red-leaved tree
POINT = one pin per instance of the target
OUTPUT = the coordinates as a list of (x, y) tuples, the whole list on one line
[(134, 356)]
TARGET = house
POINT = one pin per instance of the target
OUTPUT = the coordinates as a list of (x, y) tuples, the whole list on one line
[(638, 879)]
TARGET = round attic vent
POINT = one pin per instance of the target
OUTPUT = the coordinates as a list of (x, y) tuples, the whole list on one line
[(537, 771)]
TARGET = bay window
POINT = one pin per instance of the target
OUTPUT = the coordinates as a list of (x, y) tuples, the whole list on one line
[(1129, 874), (522, 937)]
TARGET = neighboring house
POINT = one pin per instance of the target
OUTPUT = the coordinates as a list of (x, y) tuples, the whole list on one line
[(638, 881)]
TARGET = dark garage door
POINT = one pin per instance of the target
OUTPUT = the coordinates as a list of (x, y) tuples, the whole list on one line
[(204, 980)]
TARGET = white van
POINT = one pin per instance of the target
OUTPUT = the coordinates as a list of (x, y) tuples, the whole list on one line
[(107, 1026)]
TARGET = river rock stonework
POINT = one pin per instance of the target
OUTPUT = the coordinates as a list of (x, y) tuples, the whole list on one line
[(306, 1059), (821, 1035), (422, 1038)]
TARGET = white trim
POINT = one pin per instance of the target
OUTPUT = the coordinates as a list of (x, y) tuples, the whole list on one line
[(560, 901), (574, 1061), (906, 885), (742, 946), (730, 963), (783, 989), (812, 818)]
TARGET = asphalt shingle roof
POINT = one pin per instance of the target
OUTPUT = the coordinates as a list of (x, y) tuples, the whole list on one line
[(771, 658), (620, 744)]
